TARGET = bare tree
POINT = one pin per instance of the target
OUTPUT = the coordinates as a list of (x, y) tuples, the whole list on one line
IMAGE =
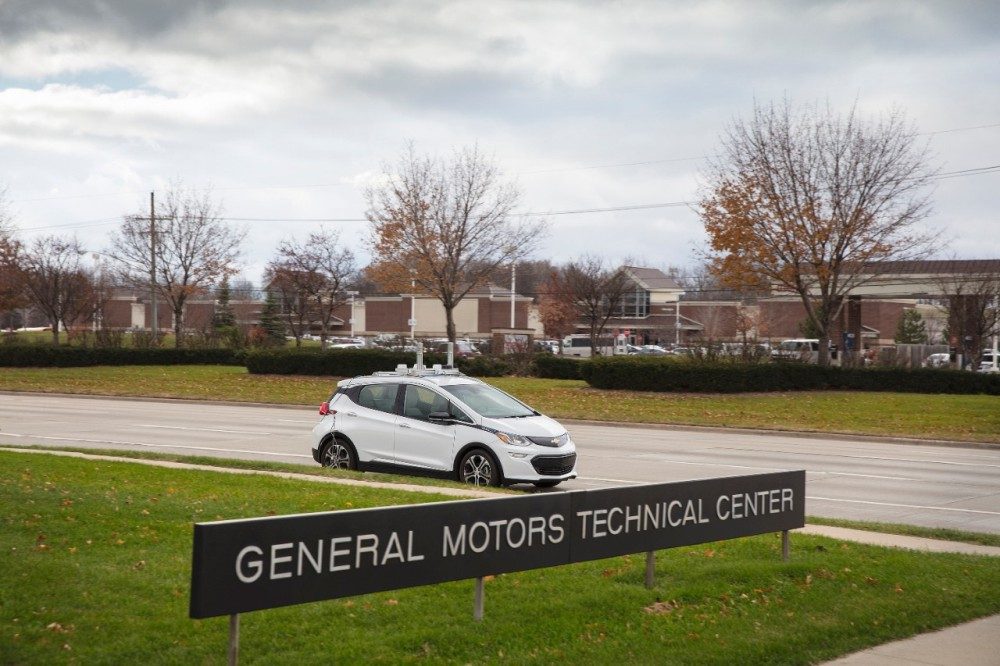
[(810, 202), (451, 223), (557, 307), (973, 309), (194, 249), (57, 281), (597, 292), (285, 285), (313, 277), (12, 292)]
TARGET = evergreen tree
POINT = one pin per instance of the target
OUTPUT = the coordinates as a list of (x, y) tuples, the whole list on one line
[(271, 324), (223, 318), (911, 329)]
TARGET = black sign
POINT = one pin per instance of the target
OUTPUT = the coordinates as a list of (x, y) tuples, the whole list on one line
[(244, 565)]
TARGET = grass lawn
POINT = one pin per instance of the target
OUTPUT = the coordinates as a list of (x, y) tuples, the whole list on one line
[(959, 417), (96, 560)]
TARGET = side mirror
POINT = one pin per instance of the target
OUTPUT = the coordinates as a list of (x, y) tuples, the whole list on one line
[(440, 417)]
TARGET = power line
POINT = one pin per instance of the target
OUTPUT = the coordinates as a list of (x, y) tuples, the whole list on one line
[(973, 171)]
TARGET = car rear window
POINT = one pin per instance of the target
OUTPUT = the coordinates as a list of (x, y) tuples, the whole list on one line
[(378, 396)]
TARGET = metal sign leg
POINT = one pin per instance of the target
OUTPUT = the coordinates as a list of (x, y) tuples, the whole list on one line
[(477, 606), (786, 547), (233, 654), (650, 569)]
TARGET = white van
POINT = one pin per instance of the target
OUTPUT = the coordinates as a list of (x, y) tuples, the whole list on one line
[(578, 344), (797, 349)]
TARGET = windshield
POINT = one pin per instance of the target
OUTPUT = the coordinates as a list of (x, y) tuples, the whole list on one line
[(489, 402)]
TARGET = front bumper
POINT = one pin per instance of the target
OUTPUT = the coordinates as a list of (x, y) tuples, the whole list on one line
[(555, 466)]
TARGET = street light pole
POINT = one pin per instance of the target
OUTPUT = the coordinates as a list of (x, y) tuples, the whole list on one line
[(413, 303), (352, 294), (152, 267), (513, 284)]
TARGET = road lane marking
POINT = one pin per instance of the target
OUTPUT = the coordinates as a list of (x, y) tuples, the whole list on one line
[(234, 432), (903, 506), (811, 471), (157, 446), (857, 457)]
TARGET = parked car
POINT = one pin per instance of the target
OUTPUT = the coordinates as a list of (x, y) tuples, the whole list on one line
[(652, 350), (439, 422), (938, 360), (462, 348), (797, 349), (986, 363), (345, 343)]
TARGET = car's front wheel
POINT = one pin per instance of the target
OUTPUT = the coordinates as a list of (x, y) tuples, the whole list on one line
[(339, 455), (478, 468)]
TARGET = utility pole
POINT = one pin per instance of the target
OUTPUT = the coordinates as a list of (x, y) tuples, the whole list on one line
[(152, 264)]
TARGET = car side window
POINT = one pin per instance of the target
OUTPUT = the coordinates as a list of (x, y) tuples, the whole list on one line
[(381, 397), (459, 415), (420, 402)]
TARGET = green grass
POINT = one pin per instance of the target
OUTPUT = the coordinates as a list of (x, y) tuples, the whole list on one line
[(265, 466), (96, 560), (941, 533), (958, 417)]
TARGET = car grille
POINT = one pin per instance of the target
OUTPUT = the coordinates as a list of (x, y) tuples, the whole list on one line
[(554, 465), (551, 441)]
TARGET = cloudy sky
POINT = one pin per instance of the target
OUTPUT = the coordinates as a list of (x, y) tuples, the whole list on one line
[(288, 109)]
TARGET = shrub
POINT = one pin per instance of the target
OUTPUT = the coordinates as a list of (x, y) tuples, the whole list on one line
[(41, 356), (354, 362), (549, 366), (659, 374)]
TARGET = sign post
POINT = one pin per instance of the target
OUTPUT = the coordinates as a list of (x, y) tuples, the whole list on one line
[(233, 653)]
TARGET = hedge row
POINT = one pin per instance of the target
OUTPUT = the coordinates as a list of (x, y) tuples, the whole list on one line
[(354, 362), (557, 367), (655, 374), (42, 356)]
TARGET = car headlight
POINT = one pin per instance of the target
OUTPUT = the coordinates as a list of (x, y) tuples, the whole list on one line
[(512, 439)]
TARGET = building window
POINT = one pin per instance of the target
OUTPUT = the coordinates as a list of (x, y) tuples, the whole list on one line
[(635, 303)]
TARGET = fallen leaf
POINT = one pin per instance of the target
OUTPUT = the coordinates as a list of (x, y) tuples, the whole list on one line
[(661, 607)]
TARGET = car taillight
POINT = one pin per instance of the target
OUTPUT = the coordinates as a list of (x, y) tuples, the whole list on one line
[(324, 409)]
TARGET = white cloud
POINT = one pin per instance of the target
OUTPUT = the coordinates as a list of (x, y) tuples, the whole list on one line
[(123, 97)]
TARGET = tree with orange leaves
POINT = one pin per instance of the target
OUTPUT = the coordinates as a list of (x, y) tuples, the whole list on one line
[(445, 225), (810, 202)]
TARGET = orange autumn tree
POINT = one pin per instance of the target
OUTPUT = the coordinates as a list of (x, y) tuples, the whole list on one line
[(446, 224), (810, 202)]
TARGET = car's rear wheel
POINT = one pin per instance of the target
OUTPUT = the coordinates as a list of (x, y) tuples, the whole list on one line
[(339, 454), (479, 468)]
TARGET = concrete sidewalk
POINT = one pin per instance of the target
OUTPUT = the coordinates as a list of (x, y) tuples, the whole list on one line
[(975, 643)]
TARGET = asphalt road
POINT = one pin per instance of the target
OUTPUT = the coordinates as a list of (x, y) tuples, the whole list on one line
[(932, 486)]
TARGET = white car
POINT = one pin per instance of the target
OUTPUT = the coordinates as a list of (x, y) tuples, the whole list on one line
[(440, 423)]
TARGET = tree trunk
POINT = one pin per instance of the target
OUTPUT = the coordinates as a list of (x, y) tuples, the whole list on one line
[(449, 313), (178, 324), (55, 331), (824, 350)]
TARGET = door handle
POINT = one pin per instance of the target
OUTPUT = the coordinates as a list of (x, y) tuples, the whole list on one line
[(351, 413), (404, 425)]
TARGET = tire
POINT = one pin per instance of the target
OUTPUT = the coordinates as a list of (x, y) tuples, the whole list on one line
[(339, 454), (546, 484), (479, 468)]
